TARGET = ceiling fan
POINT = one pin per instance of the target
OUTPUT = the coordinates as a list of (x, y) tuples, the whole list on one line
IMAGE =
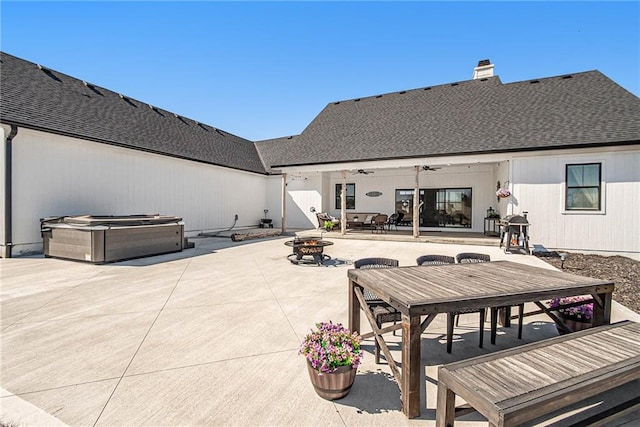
[(362, 171), (429, 168)]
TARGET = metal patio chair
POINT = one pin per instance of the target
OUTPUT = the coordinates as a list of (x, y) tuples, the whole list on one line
[(382, 311)]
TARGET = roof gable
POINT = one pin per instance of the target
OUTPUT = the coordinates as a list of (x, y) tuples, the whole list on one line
[(43, 99)]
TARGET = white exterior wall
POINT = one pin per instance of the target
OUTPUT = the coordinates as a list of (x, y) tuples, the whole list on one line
[(57, 175), (539, 188), (502, 206)]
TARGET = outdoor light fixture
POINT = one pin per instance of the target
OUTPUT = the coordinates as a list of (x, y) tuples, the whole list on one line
[(563, 257)]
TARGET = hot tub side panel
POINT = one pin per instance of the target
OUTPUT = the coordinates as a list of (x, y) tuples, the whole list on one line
[(135, 242), (70, 243)]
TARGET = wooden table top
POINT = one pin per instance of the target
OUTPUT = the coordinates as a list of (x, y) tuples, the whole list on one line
[(446, 288)]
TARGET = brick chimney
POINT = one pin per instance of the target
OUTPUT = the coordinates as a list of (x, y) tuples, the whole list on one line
[(483, 70)]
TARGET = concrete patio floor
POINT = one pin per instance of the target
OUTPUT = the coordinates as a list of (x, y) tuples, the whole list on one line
[(209, 336)]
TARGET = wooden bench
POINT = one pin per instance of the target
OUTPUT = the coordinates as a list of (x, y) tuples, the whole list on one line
[(514, 386)]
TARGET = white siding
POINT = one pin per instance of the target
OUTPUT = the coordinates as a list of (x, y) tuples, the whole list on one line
[(56, 175), (539, 185)]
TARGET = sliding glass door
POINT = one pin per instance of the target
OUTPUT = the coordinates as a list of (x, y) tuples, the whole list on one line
[(440, 207)]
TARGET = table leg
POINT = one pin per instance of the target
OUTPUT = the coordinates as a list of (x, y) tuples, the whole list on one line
[(411, 365), (602, 309), (446, 408), (354, 308)]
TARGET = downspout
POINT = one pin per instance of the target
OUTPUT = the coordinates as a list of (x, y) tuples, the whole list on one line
[(8, 207)]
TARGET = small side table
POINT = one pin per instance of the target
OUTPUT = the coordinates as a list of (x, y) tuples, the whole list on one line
[(491, 227)]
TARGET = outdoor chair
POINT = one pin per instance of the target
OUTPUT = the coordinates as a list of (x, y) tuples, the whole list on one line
[(471, 257), (392, 221), (382, 311), (435, 260), (323, 217), (379, 222), (427, 260), (461, 258), (395, 220), (474, 257)]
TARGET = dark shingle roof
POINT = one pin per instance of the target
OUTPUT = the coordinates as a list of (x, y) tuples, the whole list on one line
[(269, 149), (475, 116), (47, 100)]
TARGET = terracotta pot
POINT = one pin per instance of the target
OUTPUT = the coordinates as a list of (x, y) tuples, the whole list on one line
[(332, 385), (575, 325)]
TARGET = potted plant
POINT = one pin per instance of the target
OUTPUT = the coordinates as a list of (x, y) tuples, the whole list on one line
[(333, 354), (576, 317), (328, 225), (503, 193)]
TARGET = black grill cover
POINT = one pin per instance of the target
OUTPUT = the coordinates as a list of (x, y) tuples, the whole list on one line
[(514, 219)]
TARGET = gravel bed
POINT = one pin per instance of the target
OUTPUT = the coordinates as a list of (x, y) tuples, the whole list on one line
[(623, 271)]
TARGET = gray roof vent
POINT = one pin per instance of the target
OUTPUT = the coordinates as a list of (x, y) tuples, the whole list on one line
[(92, 87), (127, 100), (48, 72), (568, 76), (483, 70)]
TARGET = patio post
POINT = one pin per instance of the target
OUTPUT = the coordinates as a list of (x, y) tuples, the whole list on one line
[(416, 206), (343, 204), (284, 203)]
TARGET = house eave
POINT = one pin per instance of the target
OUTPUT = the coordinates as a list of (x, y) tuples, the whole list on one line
[(465, 153), (121, 145)]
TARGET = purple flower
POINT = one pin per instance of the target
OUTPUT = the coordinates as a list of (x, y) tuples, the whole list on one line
[(330, 346), (503, 192), (579, 312)]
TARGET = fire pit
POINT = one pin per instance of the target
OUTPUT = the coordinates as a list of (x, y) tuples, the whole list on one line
[(308, 246)]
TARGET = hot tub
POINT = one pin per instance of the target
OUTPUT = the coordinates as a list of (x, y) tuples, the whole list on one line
[(100, 239)]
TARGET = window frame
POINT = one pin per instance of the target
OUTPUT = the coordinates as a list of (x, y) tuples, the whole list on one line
[(338, 190), (600, 187)]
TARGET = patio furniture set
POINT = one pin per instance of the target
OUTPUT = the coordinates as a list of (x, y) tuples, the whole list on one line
[(374, 221), (413, 296)]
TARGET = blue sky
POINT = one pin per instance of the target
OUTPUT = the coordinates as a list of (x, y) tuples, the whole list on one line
[(265, 69)]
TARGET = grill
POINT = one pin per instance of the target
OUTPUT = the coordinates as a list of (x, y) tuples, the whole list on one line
[(516, 230)]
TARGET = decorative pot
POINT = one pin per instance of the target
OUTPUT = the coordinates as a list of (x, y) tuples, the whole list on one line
[(332, 385), (574, 324)]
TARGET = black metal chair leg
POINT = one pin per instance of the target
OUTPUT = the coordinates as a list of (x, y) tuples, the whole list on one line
[(520, 320), (482, 319), (450, 317), (494, 324)]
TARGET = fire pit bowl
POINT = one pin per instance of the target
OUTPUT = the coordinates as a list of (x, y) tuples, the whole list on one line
[(308, 246)]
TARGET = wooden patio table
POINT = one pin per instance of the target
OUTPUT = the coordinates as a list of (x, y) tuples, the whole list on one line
[(428, 291)]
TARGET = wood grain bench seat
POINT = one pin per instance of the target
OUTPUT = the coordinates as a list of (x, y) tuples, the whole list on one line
[(517, 385)]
